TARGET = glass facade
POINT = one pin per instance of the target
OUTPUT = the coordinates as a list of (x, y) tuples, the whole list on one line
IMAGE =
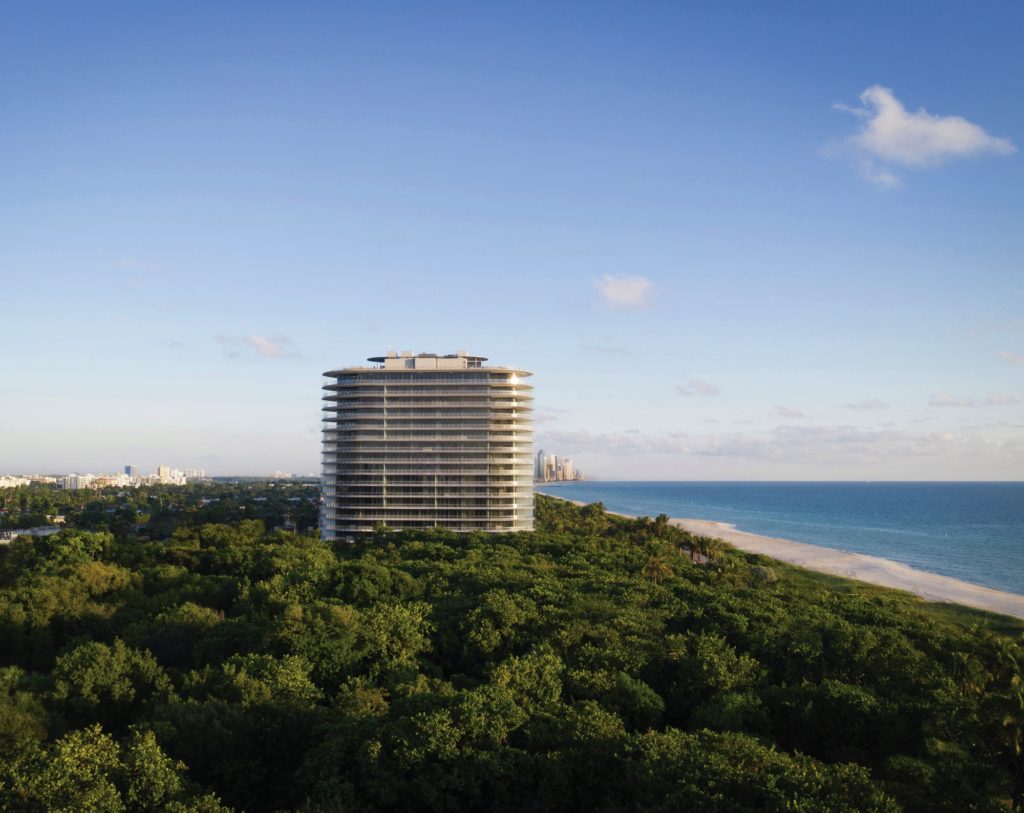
[(427, 441)]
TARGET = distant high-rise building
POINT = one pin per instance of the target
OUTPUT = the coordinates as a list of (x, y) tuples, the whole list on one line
[(553, 468), (131, 471), (76, 481), (427, 441)]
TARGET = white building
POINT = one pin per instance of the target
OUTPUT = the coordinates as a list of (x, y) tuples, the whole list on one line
[(73, 482), (167, 476), (427, 441)]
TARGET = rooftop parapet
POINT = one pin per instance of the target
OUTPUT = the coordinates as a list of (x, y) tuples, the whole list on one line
[(426, 361)]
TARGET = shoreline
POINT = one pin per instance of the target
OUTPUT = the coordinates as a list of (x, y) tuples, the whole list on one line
[(858, 566)]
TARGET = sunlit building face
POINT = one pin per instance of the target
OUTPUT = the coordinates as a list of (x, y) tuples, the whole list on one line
[(427, 441)]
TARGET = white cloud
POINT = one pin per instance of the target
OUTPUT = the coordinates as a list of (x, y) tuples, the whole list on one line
[(625, 291), (629, 442), (788, 412), (696, 387), (229, 344), (868, 405), (268, 347), (1012, 358), (944, 399), (789, 444), (892, 135), (547, 414), (272, 347), (880, 176)]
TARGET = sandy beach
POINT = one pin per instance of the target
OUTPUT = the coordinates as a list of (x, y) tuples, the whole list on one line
[(871, 569)]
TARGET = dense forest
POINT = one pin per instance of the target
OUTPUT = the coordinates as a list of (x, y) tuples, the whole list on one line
[(179, 650)]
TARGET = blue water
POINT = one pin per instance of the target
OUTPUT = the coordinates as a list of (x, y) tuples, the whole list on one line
[(970, 531)]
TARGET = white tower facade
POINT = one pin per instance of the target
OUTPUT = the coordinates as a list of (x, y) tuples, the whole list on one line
[(427, 441)]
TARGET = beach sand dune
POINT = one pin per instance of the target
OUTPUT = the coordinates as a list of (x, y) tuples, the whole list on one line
[(871, 569)]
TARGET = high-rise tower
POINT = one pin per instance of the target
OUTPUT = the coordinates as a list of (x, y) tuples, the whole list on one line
[(427, 441)]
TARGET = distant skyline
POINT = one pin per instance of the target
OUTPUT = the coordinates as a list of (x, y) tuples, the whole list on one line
[(744, 242)]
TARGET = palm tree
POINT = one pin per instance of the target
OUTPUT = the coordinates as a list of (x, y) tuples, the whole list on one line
[(969, 673), (713, 548), (645, 527), (1013, 715), (657, 567), (725, 571), (706, 548)]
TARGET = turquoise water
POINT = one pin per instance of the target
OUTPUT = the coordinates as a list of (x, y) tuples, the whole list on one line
[(970, 531)]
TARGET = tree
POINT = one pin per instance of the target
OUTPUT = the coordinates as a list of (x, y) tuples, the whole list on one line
[(22, 716), (657, 568), (394, 634), (87, 771), (428, 670), (108, 684), (593, 519), (252, 679)]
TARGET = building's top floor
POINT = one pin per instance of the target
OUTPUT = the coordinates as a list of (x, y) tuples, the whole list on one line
[(406, 361), (427, 361)]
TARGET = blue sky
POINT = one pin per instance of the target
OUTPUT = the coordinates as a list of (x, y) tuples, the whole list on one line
[(726, 239)]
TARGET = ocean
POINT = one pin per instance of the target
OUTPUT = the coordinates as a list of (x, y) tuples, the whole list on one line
[(970, 531)]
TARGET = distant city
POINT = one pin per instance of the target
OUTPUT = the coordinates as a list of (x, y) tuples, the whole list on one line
[(131, 478), (555, 469)]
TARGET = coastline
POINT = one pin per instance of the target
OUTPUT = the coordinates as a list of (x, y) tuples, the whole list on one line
[(858, 566)]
